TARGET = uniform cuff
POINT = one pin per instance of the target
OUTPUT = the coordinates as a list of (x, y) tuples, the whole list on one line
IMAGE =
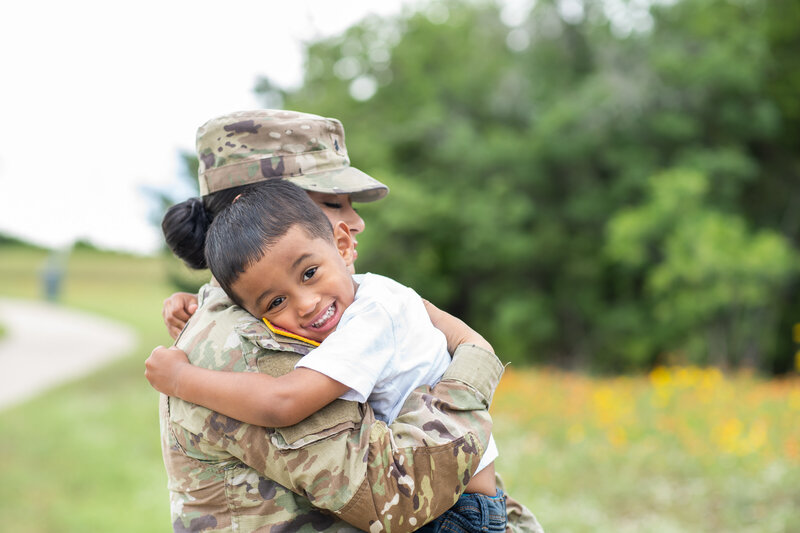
[(477, 368)]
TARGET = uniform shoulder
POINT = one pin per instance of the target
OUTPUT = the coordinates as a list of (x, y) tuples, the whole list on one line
[(222, 335)]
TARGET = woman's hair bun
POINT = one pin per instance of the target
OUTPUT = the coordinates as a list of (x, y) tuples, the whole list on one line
[(184, 227)]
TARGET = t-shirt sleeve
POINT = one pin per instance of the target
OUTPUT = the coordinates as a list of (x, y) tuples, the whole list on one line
[(358, 353)]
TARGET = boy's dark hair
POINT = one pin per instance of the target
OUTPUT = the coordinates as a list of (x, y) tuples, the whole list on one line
[(241, 234)]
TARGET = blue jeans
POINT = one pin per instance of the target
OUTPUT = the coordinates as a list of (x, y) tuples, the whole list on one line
[(472, 513)]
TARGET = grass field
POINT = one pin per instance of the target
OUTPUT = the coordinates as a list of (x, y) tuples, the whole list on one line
[(86, 456), (680, 449), (683, 449)]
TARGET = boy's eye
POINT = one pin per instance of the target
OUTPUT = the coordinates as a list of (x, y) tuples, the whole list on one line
[(308, 274), (333, 205), (275, 303)]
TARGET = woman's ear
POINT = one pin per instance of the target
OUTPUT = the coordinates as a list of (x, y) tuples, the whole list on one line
[(344, 242)]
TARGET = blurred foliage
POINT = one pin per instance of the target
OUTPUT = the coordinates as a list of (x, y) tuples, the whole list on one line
[(180, 277), (597, 184), (708, 281), (9, 241)]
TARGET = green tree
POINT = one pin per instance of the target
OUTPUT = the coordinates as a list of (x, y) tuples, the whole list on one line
[(509, 149), (708, 280), (180, 277)]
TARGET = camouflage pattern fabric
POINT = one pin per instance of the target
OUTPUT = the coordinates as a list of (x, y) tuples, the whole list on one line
[(338, 470), (251, 146)]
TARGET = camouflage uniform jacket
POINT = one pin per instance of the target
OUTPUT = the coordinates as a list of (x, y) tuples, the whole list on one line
[(339, 469)]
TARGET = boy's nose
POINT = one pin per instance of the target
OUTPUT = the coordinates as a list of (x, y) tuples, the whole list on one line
[(307, 304)]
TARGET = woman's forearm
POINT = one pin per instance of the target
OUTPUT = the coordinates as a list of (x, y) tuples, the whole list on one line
[(439, 437)]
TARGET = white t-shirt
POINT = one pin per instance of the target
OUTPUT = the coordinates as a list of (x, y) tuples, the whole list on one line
[(384, 347)]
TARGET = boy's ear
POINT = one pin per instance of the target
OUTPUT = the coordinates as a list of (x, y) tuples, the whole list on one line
[(344, 242)]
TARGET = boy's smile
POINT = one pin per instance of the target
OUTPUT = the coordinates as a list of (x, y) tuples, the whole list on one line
[(301, 284)]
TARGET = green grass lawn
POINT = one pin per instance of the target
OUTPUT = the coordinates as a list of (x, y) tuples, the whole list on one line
[(679, 450), (86, 456)]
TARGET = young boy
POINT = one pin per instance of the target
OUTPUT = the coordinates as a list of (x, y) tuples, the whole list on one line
[(275, 254)]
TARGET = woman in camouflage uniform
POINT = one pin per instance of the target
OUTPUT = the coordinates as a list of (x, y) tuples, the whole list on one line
[(340, 469)]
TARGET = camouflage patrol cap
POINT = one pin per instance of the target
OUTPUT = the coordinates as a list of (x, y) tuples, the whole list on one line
[(251, 146)]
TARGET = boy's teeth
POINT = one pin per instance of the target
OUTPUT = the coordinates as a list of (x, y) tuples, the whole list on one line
[(326, 316)]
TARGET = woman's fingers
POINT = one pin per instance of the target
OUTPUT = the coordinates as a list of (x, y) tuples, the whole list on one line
[(177, 310)]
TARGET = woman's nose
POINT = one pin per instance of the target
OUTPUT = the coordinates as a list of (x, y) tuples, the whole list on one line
[(353, 220)]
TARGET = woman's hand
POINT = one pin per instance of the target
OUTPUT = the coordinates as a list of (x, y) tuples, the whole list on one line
[(455, 330), (177, 310), (163, 368)]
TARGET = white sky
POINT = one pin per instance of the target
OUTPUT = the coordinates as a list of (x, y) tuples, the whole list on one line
[(98, 98)]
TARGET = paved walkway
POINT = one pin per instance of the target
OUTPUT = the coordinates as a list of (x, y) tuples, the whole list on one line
[(46, 345)]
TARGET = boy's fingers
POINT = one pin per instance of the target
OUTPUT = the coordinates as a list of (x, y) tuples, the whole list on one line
[(159, 347), (147, 363)]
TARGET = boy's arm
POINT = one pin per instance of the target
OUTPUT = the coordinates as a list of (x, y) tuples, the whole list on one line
[(455, 330), (254, 398), (375, 477)]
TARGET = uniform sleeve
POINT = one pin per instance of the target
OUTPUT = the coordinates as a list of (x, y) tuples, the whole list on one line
[(376, 477), (421, 463)]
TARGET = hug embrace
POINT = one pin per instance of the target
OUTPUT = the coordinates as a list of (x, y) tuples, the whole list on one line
[(300, 396)]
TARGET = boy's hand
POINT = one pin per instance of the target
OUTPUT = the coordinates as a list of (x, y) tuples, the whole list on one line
[(177, 310), (455, 330), (163, 368)]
